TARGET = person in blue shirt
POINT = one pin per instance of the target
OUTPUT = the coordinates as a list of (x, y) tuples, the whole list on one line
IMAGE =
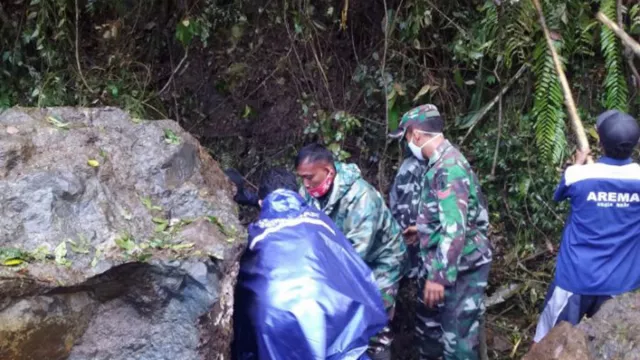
[(303, 293), (600, 246)]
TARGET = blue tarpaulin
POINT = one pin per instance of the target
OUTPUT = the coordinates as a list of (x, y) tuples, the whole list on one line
[(303, 293)]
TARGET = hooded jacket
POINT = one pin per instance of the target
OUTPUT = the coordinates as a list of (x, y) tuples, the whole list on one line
[(303, 292), (359, 210)]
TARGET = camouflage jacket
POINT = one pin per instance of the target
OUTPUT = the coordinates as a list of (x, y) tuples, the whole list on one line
[(453, 221), (359, 210), (404, 196)]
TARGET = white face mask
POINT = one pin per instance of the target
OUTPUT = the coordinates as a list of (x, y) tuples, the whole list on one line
[(417, 150)]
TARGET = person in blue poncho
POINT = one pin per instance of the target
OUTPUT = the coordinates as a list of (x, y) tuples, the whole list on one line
[(302, 292)]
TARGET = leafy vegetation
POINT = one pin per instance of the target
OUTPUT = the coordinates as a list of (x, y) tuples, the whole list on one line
[(253, 80)]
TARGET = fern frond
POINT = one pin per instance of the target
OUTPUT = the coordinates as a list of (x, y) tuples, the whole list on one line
[(634, 15), (519, 32), (548, 109), (580, 31), (490, 20), (615, 85)]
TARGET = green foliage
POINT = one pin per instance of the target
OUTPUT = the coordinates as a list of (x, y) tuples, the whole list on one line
[(634, 15), (616, 92), (330, 129), (33, 49), (520, 195), (521, 27), (548, 105)]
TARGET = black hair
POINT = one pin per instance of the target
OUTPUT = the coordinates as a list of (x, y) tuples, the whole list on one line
[(620, 151), (314, 153), (435, 124), (275, 179), (619, 133)]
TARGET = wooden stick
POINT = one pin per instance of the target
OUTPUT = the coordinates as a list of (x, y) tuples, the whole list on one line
[(626, 39), (485, 109), (583, 143)]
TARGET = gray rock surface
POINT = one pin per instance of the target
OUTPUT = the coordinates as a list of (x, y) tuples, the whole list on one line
[(612, 333), (118, 239), (564, 342)]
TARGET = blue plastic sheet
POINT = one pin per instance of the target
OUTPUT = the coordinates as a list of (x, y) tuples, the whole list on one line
[(303, 293)]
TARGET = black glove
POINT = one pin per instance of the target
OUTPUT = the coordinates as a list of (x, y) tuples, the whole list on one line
[(243, 196)]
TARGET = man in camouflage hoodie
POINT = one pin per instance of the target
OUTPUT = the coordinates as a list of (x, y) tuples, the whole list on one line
[(455, 253), (359, 210)]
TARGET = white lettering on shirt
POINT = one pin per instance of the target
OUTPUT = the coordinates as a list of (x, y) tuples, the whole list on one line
[(610, 199)]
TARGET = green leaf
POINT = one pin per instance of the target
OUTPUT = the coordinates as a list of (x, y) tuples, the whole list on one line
[(146, 201), (57, 122), (394, 117), (457, 77), (12, 262), (184, 32), (114, 90), (214, 220), (391, 98), (424, 90), (96, 258), (125, 243), (61, 254), (82, 248), (41, 253), (143, 257), (161, 227), (12, 253), (247, 112), (181, 246), (615, 83), (170, 137)]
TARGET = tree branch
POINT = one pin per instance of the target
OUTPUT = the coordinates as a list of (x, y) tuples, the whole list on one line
[(485, 110), (84, 81), (4, 17), (495, 154), (173, 73), (626, 39), (630, 63), (387, 31), (583, 143)]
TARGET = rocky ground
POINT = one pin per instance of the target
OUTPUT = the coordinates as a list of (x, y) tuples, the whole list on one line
[(119, 239)]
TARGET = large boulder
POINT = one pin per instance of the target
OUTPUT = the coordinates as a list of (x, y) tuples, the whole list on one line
[(119, 239), (612, 333)]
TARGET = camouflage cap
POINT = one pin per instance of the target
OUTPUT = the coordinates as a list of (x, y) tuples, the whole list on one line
[(418, 115)]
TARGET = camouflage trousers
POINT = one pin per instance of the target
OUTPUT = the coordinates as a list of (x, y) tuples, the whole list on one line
[(382, 341), (451, 330)]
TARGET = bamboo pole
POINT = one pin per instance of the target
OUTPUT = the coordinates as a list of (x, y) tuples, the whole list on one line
[(583, 143), (626, 39)]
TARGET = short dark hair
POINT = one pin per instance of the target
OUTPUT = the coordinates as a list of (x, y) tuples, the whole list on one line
[(435, 124), (620, 151), (314, 153), (275, 179)]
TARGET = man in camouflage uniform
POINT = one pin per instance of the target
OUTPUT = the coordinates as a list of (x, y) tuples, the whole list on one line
[(454, 249), (404, 201), (359, 210)]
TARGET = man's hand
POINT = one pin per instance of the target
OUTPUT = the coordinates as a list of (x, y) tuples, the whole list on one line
[(581, 156), (433, 294), (410, 235)]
